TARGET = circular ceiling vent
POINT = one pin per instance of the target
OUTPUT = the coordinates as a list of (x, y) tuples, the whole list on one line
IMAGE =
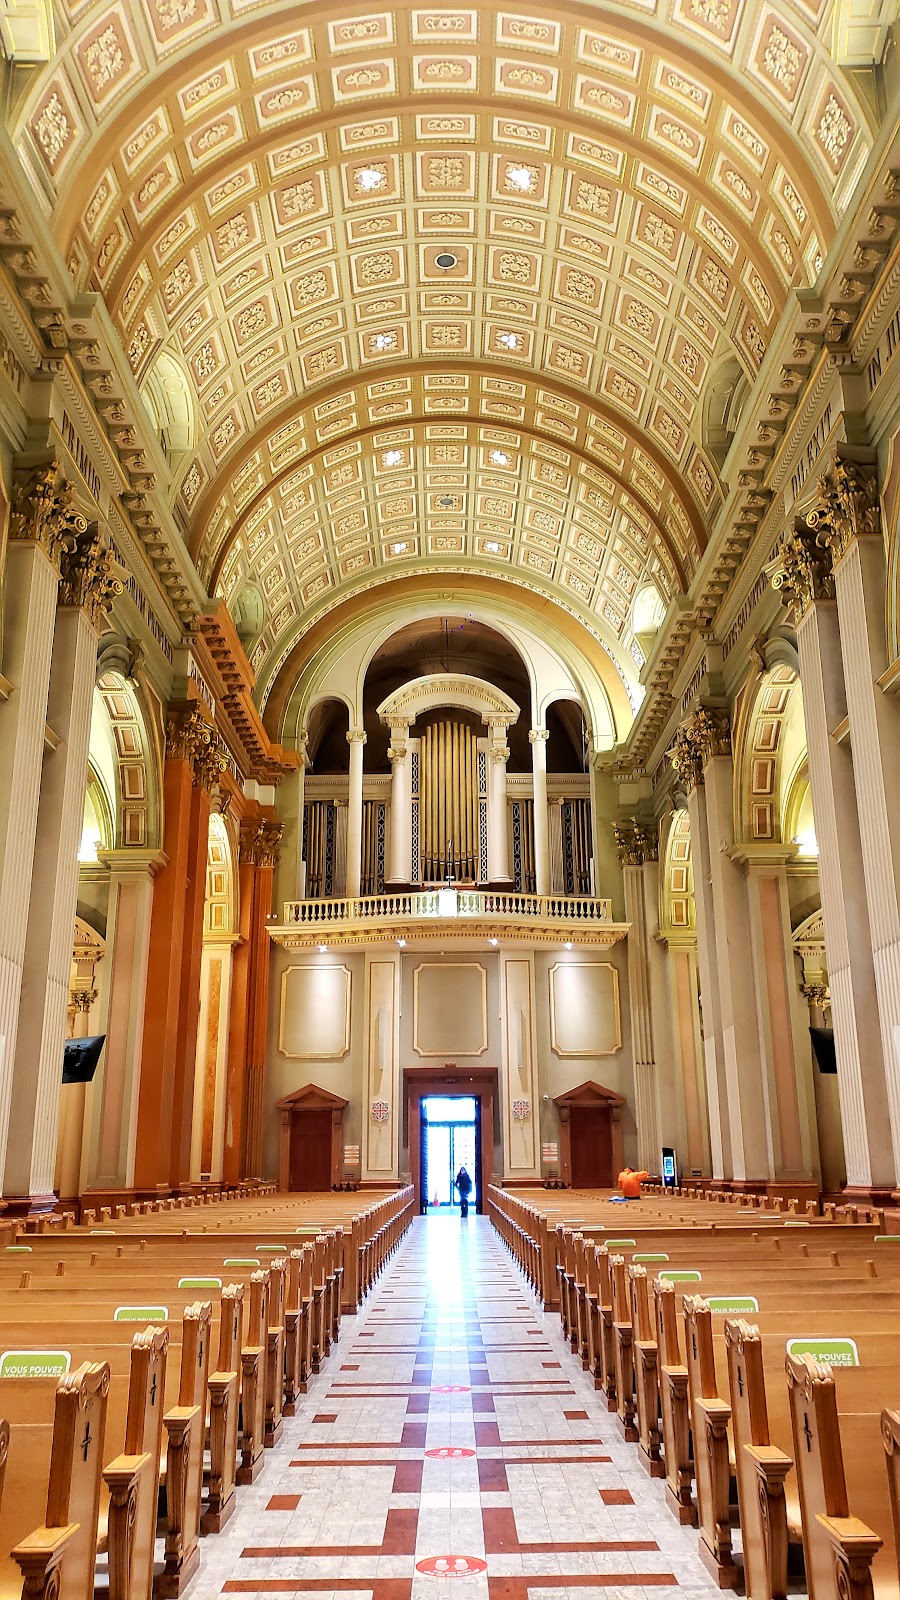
[(446, 260)]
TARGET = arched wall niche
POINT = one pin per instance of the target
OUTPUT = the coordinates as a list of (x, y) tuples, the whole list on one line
[(220, 915), (769, 748), (677, 913), (336, 662)]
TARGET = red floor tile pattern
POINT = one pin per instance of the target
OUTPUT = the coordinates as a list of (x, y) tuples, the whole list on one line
[(512, 1477)]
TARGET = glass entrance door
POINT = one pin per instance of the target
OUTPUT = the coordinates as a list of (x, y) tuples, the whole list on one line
[(450, 1140)]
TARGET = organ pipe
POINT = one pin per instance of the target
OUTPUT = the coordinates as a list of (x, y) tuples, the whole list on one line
[(449, 802)]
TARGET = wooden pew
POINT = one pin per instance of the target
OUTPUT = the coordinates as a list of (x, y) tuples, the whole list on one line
[(49, 1514)]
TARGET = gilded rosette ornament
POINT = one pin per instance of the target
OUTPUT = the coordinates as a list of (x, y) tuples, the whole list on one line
[(44, 511)]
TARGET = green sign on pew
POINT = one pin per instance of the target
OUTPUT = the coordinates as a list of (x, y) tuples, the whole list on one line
[(834, 1352), (18, 1249), (733, 1305), (34, 1363), (620, 1244), (199, 1283), (141, 1314), (682, 1275), (648, 1256), (241, 1261), (272, 1249), (880, 1238)]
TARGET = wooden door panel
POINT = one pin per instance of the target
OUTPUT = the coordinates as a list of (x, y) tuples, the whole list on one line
[(591, 1147), (310, 1168)]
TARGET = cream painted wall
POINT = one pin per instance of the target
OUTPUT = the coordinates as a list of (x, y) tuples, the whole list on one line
[(448, 984), (284, 1074), (558, 1073)]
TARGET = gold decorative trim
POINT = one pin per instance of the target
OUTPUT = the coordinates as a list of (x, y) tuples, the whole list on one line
[(450, 1049), (316, 1055), (584, 1055)]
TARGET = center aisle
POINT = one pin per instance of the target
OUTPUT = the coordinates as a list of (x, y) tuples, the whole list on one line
[(452, 1447)]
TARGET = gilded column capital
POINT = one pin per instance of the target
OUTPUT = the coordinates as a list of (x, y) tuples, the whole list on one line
[(499, 753), (847, 506), (190, 738), (636, 842), (685, 756), (802, 572), (712, 733), (89, 576), (43, 510), (356, 736), (259, 842), (538, 735)]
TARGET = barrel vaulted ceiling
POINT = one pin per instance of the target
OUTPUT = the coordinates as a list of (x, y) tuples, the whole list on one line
[(447, 285)]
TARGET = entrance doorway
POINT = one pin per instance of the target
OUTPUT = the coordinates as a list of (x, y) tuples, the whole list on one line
[(450, 1138)]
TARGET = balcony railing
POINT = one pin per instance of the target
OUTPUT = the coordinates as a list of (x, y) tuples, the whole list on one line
[(425, 905)]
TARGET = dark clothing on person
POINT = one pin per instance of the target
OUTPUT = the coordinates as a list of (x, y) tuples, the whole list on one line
[(464, 1186)]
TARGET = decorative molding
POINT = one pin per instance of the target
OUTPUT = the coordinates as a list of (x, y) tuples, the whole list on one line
[(44, 511), (557, 1017), (259, 842), (89, 577), (343, 1048), (453, 1047), (802, 573), (437, 689), (847, 506)]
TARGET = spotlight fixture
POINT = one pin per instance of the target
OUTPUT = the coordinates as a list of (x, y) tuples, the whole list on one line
[(568, 944), (495, 941), (384, 341), (521, 178), (500, 458), (398, 549), (508, 341), (392, 458), (322, 949), (402, 943), (492, 547), (370, 178)]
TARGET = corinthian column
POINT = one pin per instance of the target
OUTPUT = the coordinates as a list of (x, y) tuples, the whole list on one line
[(803, 575), (848, 521), (41, 519), (400, 860), (88, 583), (498, 828), (356, 739), (537, 738)]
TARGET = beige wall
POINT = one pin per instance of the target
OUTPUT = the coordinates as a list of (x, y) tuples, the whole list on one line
[(463, 998)]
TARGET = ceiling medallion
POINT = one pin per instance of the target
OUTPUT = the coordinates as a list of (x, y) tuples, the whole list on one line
[(446, 260)]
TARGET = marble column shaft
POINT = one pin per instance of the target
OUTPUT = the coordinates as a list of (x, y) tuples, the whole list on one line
[(848, 945), (713, 1050), (400, 856), (498, 823), (746, 1090), (859, 578), (113, 1097), (30, 591), (356, 739), (645, 1087), (538, 739), (184, 1076), (34, 1107)]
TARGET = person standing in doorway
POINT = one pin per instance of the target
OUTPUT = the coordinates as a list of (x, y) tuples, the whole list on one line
[(464, 1188)]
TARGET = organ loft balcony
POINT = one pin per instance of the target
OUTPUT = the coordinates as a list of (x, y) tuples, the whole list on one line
[(449, 914)]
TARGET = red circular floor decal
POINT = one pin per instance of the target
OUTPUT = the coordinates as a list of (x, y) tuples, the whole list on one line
[(451, 1566), (449, 1452), (450, 1388)]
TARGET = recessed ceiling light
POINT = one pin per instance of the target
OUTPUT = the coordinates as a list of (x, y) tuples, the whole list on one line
[(322, 949), (492, 547), (445, 260), (568, 944), (402, 943), (509, 341), (500, 458), (521, 178), (369, 178), (392, 458), (398, 549), (384, 341), (495, 941)]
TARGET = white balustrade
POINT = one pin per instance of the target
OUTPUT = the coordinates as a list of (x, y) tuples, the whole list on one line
[(441, 904)]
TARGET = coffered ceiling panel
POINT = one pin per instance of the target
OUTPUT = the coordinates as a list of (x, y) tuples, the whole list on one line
[(388, 246)]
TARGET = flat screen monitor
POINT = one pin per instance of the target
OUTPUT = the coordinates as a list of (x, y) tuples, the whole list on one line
[(80, 1057)]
